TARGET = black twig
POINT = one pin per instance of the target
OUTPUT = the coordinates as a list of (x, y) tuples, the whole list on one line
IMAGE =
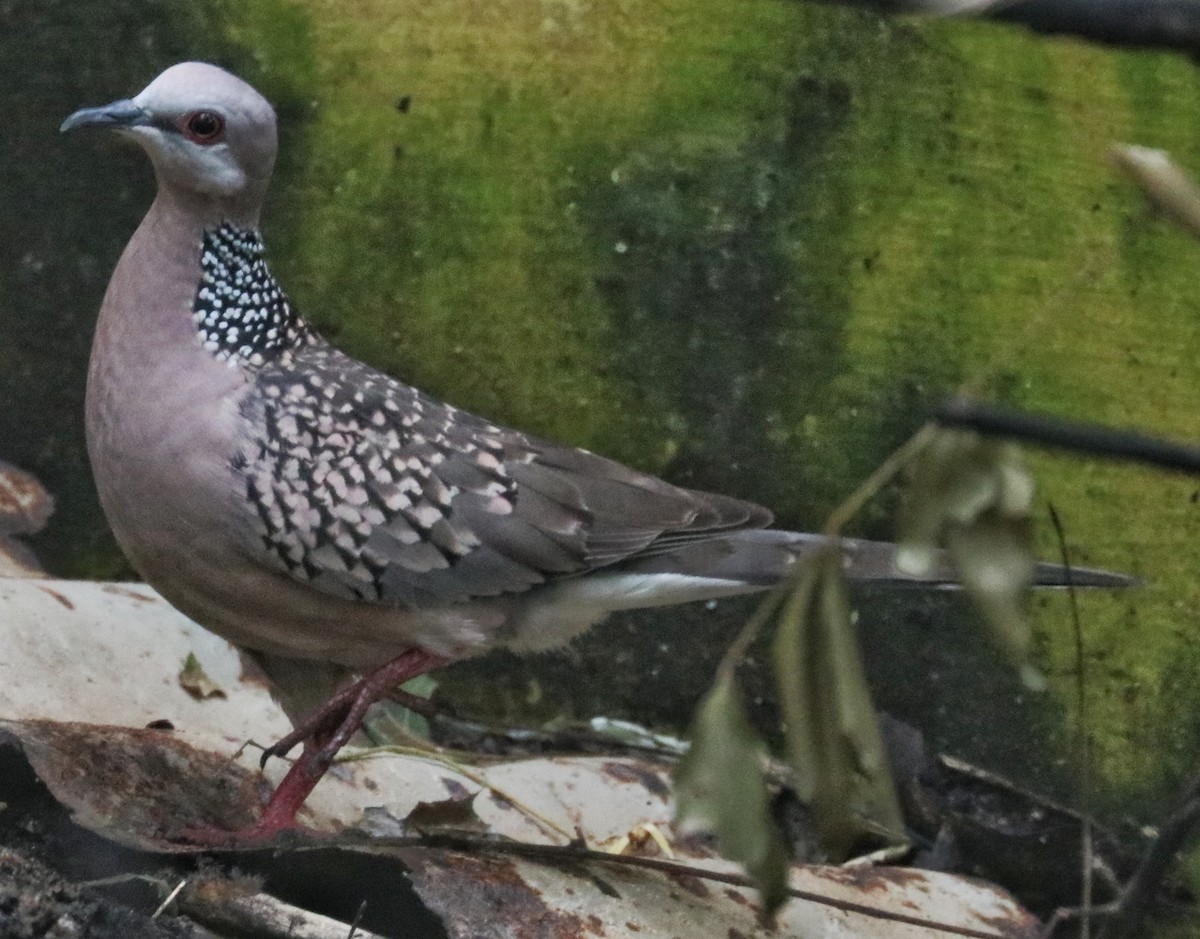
[(1153, 24), (1075, 436)]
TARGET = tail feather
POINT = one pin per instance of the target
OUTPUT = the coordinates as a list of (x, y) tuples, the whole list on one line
[(730, 564), (1057, 575), (761, 557)]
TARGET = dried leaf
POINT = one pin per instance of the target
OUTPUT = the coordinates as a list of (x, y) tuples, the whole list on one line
[(453, 814), (953, 480), (719, 786), (832, 736), (799, 701), (977, 496), (195, 681), (1169, 188), (995, 559)]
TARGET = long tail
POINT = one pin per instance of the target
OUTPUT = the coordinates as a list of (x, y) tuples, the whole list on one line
[(875, 561), (761, 557)]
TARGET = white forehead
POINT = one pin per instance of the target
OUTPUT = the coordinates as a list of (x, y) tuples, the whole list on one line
[(192, 86)]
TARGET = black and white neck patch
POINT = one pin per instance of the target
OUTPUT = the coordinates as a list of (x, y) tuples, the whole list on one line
[(242, 314)]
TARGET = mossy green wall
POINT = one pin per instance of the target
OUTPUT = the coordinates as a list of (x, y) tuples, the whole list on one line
[(742, 244)]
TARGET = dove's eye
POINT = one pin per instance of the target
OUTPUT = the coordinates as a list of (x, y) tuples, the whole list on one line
[(203, 127)]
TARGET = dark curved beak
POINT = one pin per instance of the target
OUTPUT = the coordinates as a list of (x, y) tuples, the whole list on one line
[(116, 115)]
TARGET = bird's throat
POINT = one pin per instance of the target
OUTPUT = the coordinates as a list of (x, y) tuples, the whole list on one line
[(240, 311)]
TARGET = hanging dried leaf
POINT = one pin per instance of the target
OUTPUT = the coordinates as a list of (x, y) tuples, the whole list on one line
[(831, 733), (719, 787), (953, 480), (977, 496), (799, 703), (994, 558)]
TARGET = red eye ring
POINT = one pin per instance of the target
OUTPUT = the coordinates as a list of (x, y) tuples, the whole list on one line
[(204, 127)]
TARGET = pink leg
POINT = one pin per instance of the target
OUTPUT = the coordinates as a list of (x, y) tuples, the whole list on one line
[(323, 734)]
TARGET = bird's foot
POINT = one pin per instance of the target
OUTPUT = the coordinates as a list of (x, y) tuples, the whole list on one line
[(323, 734), (336, 721)]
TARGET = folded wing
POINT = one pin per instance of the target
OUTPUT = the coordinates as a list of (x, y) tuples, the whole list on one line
[(367, 488)]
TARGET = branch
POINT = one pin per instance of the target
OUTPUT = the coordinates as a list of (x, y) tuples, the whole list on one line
[(1075, 436), (1153, 24)]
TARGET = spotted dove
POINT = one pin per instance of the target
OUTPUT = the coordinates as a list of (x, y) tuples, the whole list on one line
[(301, 503)]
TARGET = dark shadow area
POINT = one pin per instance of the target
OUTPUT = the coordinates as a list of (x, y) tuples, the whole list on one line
[(927, 656), (39, 844)]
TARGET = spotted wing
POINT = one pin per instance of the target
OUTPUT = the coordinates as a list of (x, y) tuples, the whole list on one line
[(367, 488)]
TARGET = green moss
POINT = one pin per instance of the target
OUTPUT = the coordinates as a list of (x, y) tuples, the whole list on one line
[(693, 244), (434, 244)]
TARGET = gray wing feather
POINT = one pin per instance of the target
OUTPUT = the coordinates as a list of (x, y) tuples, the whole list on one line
[(364, 487)]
